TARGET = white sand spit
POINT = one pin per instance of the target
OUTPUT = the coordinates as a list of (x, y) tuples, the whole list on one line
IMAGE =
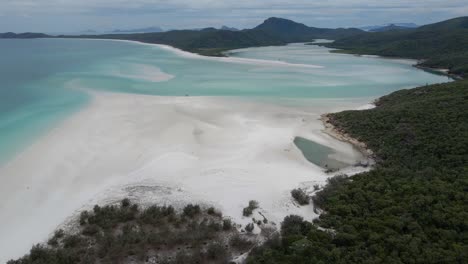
[(220, 151)]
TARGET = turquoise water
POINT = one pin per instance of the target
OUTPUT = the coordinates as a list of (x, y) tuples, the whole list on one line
[(319, 154), (45, 80)]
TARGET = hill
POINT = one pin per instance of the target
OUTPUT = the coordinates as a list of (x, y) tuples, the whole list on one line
[(439, 45), (212, 41), (139, 30), (389, 28), (375, 28), (28, 35), (290, 31), (412, 207), (229, 28)]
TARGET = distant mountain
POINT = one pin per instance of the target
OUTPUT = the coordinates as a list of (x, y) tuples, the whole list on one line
[(290, 31), (89, 31), (438, 45), (212, 41), (229, 28), (11, 35), (139, 30), (379, 28), (389, 28)]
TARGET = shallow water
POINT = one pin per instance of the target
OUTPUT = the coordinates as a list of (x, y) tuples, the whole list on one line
[(319, 154), (44, 80)]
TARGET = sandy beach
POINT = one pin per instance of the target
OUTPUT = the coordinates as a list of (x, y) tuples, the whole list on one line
[(170, 150)]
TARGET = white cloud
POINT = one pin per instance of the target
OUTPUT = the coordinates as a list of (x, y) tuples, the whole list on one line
[(179, 13)]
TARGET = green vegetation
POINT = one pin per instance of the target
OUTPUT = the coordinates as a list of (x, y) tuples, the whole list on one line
[(300, 196), (439, 45), (128, 234), (214, 42), (412, 208), (249, 209)]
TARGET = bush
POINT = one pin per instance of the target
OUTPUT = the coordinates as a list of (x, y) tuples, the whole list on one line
[(122, 234), (211, 211), (216, 251), (84, 217), (249, 227), (125, 202), (240, 243), (192, 210), (227, 224), (300, 196), (294, 225), (253, 204), (90, 230), (247, 211)]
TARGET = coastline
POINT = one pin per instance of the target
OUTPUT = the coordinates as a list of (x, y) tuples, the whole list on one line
[(335, 132), (197, 127), (417, 64), (188, 152)]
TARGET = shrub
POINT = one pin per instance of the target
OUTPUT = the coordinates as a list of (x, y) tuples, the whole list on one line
[(253, 204), (90, 230), (240, 243), (295, 225), (249, 227), (247, 211), (211, 211), (125, 202), (300, 196), (216, 251), (84, 217), (227, 224), (121, 234), (191, 210)]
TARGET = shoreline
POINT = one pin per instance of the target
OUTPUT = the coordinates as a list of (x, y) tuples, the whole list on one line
[(187, 152), (174, 149), (444, 72), (331, 130), (227, 59)]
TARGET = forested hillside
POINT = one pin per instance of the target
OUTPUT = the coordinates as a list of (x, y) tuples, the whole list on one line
[(212, 42), (412, 208), (439, 45)]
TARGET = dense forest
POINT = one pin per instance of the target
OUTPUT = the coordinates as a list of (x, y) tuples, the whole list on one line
[(412, 208), (439, 45)]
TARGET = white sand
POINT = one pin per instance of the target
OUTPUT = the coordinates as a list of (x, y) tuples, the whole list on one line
[(143, 72), (248, 61), (173, 150)]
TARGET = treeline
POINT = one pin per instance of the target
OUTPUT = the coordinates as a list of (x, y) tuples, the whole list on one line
[(439, 45), (412, 208)]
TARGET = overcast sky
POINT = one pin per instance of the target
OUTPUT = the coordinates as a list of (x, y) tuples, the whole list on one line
[(101, 15)]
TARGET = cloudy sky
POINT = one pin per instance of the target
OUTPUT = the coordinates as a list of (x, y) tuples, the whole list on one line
[(102, 15)]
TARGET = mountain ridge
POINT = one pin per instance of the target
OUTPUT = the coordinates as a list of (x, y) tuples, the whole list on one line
[(440, 45)]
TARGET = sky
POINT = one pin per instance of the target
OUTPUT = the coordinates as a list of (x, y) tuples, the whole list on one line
[(64, 16)]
